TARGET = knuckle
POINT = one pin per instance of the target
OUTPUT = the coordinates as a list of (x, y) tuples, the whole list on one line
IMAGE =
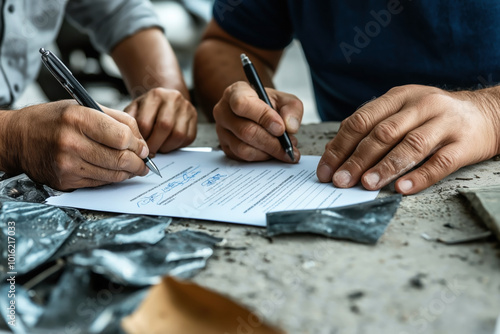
[(417, 142), (244, 152), (240, 104), (164, 125), (386, 133), (446, 161), (123, 136), (142, 123), (355, 162), (249, 132), (157, 92), (401, 90), (119, 176), (122, 162), (358, 123)]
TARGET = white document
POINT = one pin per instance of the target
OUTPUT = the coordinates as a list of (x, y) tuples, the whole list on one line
[(210, 186)]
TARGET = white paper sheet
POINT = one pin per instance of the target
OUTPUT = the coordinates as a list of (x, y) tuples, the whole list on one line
[(210, 186)]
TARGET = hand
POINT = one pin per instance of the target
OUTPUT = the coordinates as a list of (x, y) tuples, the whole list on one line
[(68, 146), (389, 136), (248, 128), (165, 118)]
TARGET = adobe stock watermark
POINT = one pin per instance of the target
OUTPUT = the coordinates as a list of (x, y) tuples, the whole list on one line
[(11, 274), (222, 8), (364, 35), (426, 315)]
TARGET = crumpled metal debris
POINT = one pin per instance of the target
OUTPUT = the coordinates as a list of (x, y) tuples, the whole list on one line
[(37, 231), (44, 233), (179, 254), (60, 256), (364, 222), (77, 302)]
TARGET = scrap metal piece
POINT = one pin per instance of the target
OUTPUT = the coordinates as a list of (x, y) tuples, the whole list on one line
[(486, 203), (37, 231), (79, 301), (119, 230), (364, 222), (180, 254)]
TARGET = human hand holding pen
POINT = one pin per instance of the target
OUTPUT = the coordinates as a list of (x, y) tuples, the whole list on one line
[(67, 146), (248, 128)]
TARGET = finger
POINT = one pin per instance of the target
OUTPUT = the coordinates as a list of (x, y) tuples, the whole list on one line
[(131, 109), (146, 115), (125, 119), (253, 135), (417, 145), (383, 138), (244, 102), (163, 126), (90, 176), (116, 130), (444, 162), (291, 110), (184, 131), (236, 149), (109, 159), (355, 128)]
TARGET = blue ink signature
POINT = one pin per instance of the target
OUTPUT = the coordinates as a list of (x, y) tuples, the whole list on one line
[(158, 196), (212, 180)]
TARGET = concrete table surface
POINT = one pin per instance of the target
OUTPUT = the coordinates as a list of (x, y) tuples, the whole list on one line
[(404, 284)]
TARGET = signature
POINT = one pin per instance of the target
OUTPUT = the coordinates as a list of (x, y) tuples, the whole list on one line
[(213, 180), (158, 196)]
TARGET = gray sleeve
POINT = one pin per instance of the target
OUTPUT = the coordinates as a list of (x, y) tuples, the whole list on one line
[(107, 22)]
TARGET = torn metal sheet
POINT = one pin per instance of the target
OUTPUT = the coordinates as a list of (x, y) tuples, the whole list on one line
[(119, 230), (77, 302), (486, 203), (177, 307), (50, 298), (364, 222), (37, 231), (43, 233), (180, 254)]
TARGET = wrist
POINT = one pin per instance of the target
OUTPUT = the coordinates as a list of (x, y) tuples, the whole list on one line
[(487, 101), (9, 144)]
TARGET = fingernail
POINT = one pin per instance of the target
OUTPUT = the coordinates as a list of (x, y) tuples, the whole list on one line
[(405, 185), (372, 179), (275, 129), (342, 178), (293, 124), (324, 173), (144, 152)]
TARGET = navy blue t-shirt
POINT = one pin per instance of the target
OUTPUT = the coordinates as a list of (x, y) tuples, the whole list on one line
[(359, 49)]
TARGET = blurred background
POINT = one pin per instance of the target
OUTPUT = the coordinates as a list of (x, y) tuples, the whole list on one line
[(184, 22)]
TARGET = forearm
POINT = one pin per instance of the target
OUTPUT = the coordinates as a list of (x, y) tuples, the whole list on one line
[(217, 65), (8, 145), (146, 60)]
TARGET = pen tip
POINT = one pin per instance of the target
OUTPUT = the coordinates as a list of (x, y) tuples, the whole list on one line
[(291, 155)]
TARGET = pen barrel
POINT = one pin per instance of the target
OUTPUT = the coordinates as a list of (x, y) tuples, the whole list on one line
[(254, 79)]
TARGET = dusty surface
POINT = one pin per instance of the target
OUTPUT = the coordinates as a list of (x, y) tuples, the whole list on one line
[(404, 284)]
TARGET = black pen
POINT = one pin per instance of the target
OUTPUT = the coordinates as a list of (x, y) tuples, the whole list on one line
[(76, 90), (254, 79)]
